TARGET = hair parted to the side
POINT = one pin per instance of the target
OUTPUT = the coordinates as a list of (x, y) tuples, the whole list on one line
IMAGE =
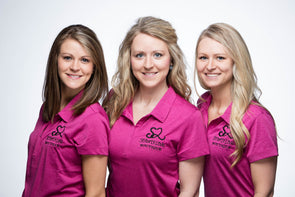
[(97, 86), (244, 88), (125, 84)]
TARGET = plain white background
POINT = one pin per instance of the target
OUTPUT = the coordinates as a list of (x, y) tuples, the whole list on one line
[(28, 28)]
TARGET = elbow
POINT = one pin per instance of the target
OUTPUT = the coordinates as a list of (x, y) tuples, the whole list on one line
[(269, 193), (95, 194)]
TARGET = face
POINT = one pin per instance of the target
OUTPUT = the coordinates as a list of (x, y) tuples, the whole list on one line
[(214, 65), (75, 67), (150, 61)]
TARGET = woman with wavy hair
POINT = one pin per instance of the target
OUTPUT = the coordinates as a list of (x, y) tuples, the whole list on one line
[(67, 151), (241, 132), (157, 140)]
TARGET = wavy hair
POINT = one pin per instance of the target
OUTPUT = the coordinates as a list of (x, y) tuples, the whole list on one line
[(244, 88), (97, 86), (125, 84)]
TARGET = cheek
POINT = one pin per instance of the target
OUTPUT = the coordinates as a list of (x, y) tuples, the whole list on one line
[(199, 67)]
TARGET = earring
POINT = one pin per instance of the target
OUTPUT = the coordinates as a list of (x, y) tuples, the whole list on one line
[(171, 66)]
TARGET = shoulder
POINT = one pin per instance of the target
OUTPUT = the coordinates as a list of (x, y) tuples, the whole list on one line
[(183, 105), (257, 113), (184, 110), (94, 112)]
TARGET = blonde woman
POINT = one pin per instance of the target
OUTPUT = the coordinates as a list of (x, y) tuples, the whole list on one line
[(157, 141), (241, 132)]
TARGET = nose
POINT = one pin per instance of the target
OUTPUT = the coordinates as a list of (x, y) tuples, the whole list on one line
[(75, 66), (211, 64), (148, 64)]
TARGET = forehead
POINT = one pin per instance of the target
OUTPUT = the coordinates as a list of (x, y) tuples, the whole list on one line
[(208, 45), (73, 46), (144, 42)]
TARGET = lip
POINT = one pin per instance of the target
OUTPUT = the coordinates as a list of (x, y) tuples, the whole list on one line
[(149, 74), (74, 76), (212, 74)]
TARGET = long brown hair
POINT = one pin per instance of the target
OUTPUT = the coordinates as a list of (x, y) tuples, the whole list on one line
[(125, 84), (97, 86)]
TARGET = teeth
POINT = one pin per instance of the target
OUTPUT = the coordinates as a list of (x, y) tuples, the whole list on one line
[(74, 76), (212, 75), (149, 74)]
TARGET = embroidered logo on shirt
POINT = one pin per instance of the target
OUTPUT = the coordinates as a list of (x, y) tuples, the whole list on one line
[(155, 132), (225, 133), (225, 139), (55, 137), (153, 140), (59, 130)]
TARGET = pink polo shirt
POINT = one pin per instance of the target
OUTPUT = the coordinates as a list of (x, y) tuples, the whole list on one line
[(219, 179), (144, 158), (54, 152)]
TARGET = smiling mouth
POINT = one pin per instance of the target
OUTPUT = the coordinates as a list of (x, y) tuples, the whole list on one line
[(211, 75), (74, 76), (150, 74)]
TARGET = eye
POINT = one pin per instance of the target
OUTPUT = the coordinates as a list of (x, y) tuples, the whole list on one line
[(158, 55), (85, 60), (139, 55), (67, 58), (203, 58), (220, 58)]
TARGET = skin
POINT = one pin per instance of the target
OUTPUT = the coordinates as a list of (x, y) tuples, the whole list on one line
[(94, 173), (263, 176), (75, 68), (150, 62), (190, 174), (215, 70)]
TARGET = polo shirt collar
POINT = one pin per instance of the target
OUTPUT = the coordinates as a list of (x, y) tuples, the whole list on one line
[(67, 113), (164, 106), (161, 110)]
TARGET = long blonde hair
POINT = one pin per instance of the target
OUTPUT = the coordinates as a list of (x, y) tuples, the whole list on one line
[(125, 84), (244, 88)]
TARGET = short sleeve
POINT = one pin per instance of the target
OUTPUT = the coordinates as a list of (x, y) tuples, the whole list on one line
[(193, 141), (263, 138), (93, 136)]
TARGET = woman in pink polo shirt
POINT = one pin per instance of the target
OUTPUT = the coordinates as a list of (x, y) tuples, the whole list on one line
[(241, 132), (67, 151), (157, 141)]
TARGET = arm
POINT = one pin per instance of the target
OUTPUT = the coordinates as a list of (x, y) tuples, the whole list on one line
[(190, 174), (94, 174), (263, 176)]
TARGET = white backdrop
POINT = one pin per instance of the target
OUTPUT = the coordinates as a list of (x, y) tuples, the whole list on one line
[(28, 28)]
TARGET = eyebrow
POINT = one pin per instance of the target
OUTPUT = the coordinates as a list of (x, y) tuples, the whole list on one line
[(65, 53)]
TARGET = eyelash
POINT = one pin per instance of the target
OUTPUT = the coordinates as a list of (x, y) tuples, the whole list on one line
[(220, 58), (67, 58), (139, 55), (85, 60), (157, 55)]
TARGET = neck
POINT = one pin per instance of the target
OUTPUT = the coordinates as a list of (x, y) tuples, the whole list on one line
[(149, 96), (66, 97), (221, 99)]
